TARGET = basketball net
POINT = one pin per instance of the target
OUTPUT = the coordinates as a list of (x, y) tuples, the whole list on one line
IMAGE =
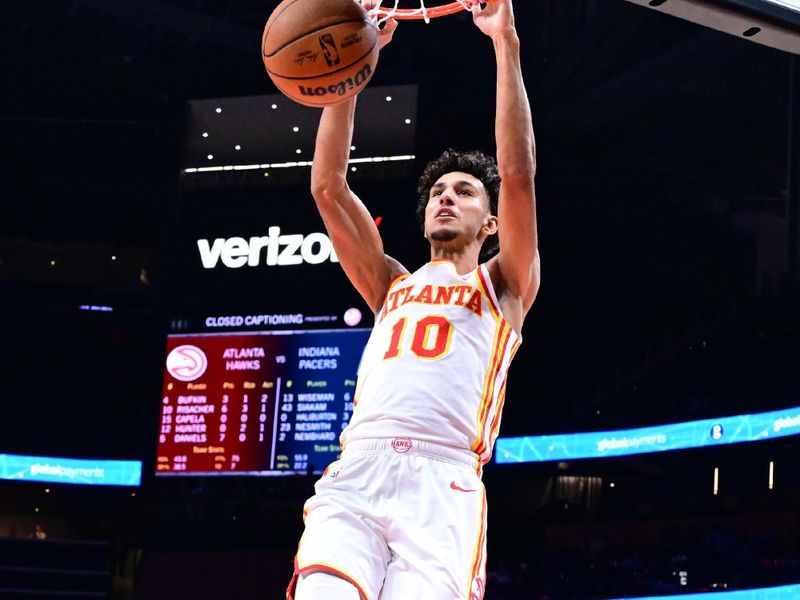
[(378, 14)]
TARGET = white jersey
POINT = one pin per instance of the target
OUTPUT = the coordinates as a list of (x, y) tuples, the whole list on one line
[(434, 368)]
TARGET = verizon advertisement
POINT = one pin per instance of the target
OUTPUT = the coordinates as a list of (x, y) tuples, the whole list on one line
[(272, 250), (244, 260)]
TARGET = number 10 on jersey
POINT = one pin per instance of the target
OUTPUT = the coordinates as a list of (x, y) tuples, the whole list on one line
[(430, 339)]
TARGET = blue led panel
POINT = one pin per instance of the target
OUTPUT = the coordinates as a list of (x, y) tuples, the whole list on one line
[(677, 436), (71, 470), (784, 592)]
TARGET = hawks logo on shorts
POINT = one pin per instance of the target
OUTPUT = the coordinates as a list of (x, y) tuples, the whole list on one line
[(402, 445), (435, 366)]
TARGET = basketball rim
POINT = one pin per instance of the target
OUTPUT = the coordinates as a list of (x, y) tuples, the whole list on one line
[(381, 13)]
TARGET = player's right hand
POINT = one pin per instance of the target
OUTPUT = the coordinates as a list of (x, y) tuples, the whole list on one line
[(495, 18)]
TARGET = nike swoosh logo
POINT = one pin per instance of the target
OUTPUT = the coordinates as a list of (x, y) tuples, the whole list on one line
[(453, 486)]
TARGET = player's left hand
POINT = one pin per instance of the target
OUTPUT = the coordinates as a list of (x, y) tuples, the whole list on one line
[(386, 33), (387, 28), (495, 18)]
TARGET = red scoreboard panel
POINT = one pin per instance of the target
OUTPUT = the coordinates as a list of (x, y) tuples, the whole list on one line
[(256, 403)]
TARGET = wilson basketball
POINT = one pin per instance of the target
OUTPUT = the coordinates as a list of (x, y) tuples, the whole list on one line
[(319, 52)]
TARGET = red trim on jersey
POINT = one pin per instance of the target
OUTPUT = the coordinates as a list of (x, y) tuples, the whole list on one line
[(492, 306), (385, 307), (493, 398), (501, 400), (478, 556), (441, 261), (486, 379), (495, 428), (489, 385), (290, 591), (397, 278), (517, 344)]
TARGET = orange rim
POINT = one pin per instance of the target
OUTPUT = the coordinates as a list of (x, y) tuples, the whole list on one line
[(402, 14)]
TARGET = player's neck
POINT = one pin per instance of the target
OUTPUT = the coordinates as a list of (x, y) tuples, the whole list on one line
[(465, 258)]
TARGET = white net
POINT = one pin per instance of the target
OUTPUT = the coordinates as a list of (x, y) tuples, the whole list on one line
[(379, 14)]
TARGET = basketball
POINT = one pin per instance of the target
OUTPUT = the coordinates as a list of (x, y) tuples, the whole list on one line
[(319, 52)]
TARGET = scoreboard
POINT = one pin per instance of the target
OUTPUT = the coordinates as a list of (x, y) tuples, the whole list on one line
[(256, 403), (264, 333)]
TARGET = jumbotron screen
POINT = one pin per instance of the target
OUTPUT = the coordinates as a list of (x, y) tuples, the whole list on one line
[(256, 403)]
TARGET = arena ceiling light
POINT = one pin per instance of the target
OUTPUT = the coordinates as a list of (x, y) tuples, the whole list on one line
[(270, 128), (773, 23), (790, 4), (295, 164)]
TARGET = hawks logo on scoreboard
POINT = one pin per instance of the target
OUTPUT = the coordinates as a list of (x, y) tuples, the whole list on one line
[(187, 363)]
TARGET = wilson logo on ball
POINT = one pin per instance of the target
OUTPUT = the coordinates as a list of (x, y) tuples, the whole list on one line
[(342, 87)]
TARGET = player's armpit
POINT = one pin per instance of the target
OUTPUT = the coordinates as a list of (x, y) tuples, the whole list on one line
[(396, 269), (533, 288), (523, 287), (515, 300)]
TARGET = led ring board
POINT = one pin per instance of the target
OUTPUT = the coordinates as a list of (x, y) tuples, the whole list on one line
[(784, 592), (70, 470), (660, 438)]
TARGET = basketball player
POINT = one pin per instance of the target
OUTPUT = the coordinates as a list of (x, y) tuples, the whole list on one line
[(402, 515)]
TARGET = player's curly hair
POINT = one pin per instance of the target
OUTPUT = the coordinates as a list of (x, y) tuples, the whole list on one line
[(474, 162)]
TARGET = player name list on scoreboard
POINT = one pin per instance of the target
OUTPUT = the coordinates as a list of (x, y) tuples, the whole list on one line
[(257, 403)]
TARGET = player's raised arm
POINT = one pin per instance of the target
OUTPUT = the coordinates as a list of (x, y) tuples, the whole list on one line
[(518, 259), (350, 226)]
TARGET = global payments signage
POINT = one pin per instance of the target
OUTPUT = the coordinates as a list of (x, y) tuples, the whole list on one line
[(662, 438), (70, 470)]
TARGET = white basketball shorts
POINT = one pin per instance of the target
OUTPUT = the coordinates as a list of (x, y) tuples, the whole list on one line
[(399, 519)]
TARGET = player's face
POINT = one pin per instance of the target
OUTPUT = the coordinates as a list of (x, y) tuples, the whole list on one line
[(458, 206)]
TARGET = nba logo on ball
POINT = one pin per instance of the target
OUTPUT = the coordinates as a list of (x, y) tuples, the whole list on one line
[(328, 45), (187, 363), (717, 432)]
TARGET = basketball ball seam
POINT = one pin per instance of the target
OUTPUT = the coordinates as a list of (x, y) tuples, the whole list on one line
[(312, 32), (326, 73), (274, 17)]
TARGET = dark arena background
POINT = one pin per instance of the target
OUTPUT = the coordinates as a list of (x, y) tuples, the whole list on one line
[(179, 345)]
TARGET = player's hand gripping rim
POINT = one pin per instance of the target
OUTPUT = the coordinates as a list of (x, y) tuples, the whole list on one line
[(386, 28), (494, 18)]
